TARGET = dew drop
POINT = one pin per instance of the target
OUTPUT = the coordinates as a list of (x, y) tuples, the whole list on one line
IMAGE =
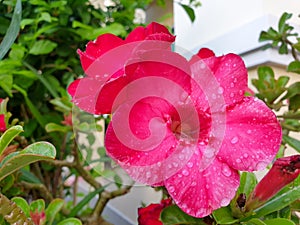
[(231, 95), (238, 160), (214, 96), (220, 90), (249, 131), (245, 155), (232, 85), (193, 184), (190, 164), (234, 140), (185, 172), (226, 170), (148, 174), (261, 165), (175, 164), (171, 189), (225, 202)]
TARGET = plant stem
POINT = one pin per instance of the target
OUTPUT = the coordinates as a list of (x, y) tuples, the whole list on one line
[(41, 188)]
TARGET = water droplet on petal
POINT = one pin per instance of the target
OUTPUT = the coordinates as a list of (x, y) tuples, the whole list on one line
[(234, 140), (238, 160), (220, 90), (148, 174), (225, 202), (245, 155), (208, 153), (249, 131), (190, 164), (261, 165), (185, 172), (232, 85), (231, 95), (171, 189), (226, 170), (193, 183)]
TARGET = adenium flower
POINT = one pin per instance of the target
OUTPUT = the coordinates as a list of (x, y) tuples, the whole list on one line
[(150, 215), (284, 171), (185, 125)]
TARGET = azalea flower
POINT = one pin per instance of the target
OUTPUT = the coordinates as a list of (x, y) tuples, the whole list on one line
[(185, 125), (284, 171), (150, 215)]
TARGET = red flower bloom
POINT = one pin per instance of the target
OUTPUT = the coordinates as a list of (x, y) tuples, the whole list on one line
[(183, 124), (150, 215), (2, 123), (38, 218), (283, 172)]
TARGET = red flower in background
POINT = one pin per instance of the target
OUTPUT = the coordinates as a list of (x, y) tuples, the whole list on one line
[(283, 172), (2, 120), (150, 215)]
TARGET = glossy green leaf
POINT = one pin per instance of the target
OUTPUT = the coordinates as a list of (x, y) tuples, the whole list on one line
[(70, 221), (293, 90), (52, 127), (8, 136), (278, 202), (294, 67), (13, 30), (34, 152), (189, 10), (173, 215), (37, 205), (86, 200), (279, 221), (22, 203), (53, 208), (224, 216), (27, 176), (282, 22), (6, 82), (294, 143), (248, 182), (42, 47), (254, 221)]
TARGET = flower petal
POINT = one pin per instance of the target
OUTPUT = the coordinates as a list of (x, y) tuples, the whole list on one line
[(95, 49), (229, 71), (252, 136), (2, 123), (154, 31), (197, 192)]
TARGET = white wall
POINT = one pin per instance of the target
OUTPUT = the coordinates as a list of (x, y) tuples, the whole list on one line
[(218, 17)]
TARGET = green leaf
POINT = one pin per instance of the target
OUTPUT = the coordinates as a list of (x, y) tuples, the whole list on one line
[(255, 221), (280, 221), (37, 206), (12, 31), (278, 202), (52, 127), (42, 47), (248, 182), (173, 215), (26, 175), (189, 10), (224, 216), (53, 208), (21, 202), (293, 90), (32, 153), (6, 82), (294, 67), (86, 200), (282, 22), (294, 143), (70, 221), (8, 136)]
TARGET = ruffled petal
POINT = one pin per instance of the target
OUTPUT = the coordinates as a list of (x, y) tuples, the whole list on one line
[(154, 31), (95, 49), (252, 137), (197, 192), (230, 73)]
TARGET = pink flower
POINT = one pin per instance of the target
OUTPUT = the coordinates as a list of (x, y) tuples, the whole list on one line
[(2, 120), (2, 123), (283, 172), (200, 140), (150, 215), (185, 125), (110, 52)]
